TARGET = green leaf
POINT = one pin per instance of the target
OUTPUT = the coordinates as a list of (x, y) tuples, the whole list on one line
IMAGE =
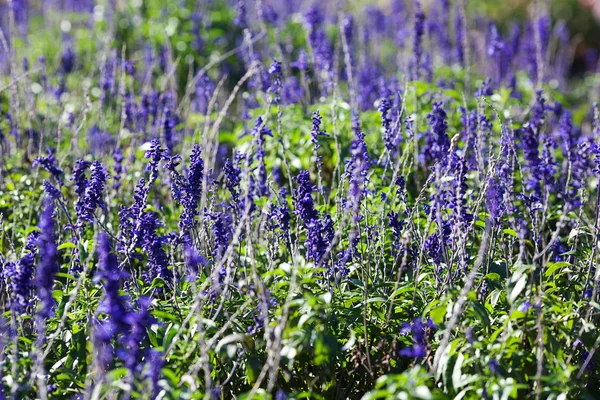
[(164, 315), (510, 232), (517, 289), (437, 314), (554, 266), (457, 371), (67, 245)]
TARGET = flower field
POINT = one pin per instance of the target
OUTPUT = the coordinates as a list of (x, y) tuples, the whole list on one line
[(260, 199)]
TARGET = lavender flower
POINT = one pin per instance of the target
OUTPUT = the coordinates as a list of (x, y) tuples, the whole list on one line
[(275, 69), (269, 14), (494, 367), (52, 191), (303, 201), (319, 234), (50, 164), (302, 61), (4, 333), (241, 18), (169, 122), (48, 266), (459, 35), (198, 41), (386, 123), (19, 275), (117, 168), (419, 330), (438, 142), (190, 190), (79, 179), (86, 205), (138, 322), (419, 29), (357, 168), (232, 180), (193, 261), (222, 231), (495, 200), (319, 44), (67, 60), (109, 273), (259, 132), (155, 364), (396, 225), (152, 243)]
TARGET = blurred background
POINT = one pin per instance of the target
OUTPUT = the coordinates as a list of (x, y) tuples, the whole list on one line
[(580, 17)]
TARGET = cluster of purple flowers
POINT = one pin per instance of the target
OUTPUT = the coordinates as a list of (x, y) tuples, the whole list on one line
[(377, 197), (419, 330)]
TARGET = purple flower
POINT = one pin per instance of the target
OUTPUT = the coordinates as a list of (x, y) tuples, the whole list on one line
[(319, 44), (4, 334), (193, 261), (138, 323), (86, 205), (109, 273), (414, 351), (67, 60), (117, 167), (495, 200), (405, 330), (52, 191), (319, 234), (48, 265), (280, 216), (188, 191), (32, 239), (348, 28), (198, 41), (292, 91), (357, 168), (259, 132), (495, 44), (50, 164), (530, 143), (303, 201), (152, 243), (203, 93), (418, 330), (316, 129), (99, 141), (439, 28), (494, 367), (155, 365), (240, 18), (269, 14), (169, 123), (275, 67), (79, 179), (302, 61), (433, 248), (419, 29), (459, 35), (222, 229), (19, 276), (437, 142), (155, 155), (232, 180), (485, 89), (525, 306), (389, 138)]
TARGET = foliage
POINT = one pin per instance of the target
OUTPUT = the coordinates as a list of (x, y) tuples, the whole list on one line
[(263, 200)]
